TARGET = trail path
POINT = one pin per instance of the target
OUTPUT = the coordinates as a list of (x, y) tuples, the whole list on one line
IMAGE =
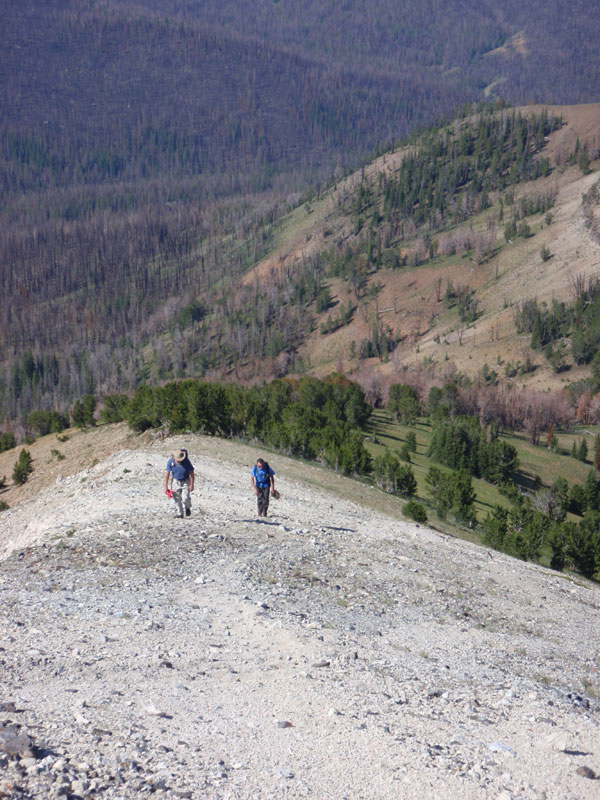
[(329, 651)]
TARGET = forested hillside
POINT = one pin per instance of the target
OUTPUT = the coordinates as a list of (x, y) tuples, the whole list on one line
[(542, 51), (151, 155)]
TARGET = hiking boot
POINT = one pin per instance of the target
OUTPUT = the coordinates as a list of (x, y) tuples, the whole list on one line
[(178, 516), (188, 511)]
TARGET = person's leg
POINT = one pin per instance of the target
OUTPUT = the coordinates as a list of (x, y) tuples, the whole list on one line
[(186, 497), (177, 491), (267, 492), (260, 500)]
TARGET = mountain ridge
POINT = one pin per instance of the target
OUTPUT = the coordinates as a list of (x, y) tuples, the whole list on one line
[(222, 653)]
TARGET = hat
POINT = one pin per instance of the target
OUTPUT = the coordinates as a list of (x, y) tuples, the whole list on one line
[(179, 455)]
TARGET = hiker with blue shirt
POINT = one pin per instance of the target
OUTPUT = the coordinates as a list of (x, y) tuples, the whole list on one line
[(181, 472), (263, 480)]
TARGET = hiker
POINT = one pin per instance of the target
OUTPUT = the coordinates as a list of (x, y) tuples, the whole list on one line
[(181, 471), (263, 480)]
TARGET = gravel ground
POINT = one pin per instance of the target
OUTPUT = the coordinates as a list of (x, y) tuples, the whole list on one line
[(327, 651)]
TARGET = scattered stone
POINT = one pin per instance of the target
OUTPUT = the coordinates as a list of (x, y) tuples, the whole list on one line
[(586, 772), (101, 732), (13, 742), (284, 724), (497, 747), (286, 773)]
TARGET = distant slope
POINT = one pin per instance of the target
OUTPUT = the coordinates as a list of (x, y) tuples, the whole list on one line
[(541, 51), (410, 302), (150, 153)]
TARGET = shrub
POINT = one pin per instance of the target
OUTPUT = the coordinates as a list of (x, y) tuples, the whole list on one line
[(45, 422), (83, 412), (411, 441), (4, 505), (7, 441), (23, 468), (415, 511), (114, 408), (404, 403)]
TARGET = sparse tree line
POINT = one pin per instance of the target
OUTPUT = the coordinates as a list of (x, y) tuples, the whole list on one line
[(449, 177), (536, 522), (562, 329), (325, 420), (591, 201)]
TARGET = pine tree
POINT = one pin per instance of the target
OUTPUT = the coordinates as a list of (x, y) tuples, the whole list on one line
[(23, 468)]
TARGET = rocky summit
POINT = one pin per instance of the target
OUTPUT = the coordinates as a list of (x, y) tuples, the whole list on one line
[(331, 650)]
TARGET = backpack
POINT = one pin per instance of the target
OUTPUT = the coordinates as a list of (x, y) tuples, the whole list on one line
[(180, 470), (263, 475)]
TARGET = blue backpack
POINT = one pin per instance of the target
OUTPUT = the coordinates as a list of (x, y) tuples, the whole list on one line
[(262, 476)]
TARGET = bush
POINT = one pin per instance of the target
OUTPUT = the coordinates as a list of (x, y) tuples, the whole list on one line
[(4, 505), (45, 422), (114, 408), (23, 468), (415, 511), (411, 441), (403, 403), (83, 412), (7, 441)]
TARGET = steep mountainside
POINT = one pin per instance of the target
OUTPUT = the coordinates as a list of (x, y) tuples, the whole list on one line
[(151, 156), (406, 287)]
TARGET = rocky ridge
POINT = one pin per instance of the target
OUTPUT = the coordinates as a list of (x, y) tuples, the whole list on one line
[(330, 650)]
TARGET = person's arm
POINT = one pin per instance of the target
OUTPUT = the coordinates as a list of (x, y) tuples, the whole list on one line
[(254, 488), (192, 481), (167, 473), (272, 479)]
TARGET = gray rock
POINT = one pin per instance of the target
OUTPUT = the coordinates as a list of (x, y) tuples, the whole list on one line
[(586, 772), (497, 747), (13, 742), (286, 773)]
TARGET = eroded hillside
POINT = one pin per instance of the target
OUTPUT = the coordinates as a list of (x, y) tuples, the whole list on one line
[(498, 272)]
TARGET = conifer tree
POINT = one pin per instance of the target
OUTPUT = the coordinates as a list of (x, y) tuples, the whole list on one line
[(23, 468)]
